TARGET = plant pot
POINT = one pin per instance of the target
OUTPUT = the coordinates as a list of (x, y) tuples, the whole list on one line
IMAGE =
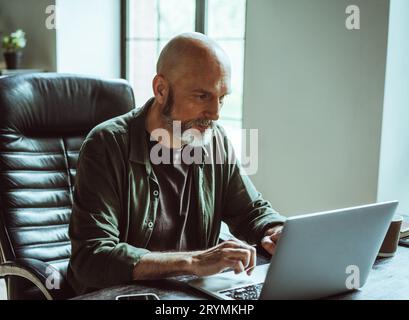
[(13, 59)]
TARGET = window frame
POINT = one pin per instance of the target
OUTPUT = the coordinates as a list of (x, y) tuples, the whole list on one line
[(200, 26)]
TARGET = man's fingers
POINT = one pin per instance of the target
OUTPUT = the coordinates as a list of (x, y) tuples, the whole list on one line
[(253, 258), (252, 251), (267, 239), (274, 230), (236, 265), (268, 244), (239, 268), (238, 254), (275, 236), (234, 244)]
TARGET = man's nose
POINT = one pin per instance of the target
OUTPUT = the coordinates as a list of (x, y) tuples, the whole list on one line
[(213, 110)]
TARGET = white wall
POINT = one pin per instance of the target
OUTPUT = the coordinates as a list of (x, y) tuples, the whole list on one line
[(88, 37), (87, 40), (315, 92), (394, 166), (40, 52)]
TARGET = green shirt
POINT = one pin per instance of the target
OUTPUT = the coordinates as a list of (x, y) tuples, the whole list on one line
[(116, 200)]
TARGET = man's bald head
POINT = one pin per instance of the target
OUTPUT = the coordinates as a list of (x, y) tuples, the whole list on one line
[(192, 80), (190, 52)]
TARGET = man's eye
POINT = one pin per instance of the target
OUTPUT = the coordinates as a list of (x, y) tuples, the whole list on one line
[(202, 96)]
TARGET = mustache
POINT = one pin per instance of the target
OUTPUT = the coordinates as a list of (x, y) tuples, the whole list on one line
[(198, 122)]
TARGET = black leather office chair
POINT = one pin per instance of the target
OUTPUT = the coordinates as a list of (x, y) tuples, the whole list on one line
[(44, 119)]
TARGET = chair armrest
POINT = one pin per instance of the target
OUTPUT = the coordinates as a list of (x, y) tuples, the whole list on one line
[(44, 276)]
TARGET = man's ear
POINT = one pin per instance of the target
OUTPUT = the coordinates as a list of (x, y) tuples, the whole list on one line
[(160, 88)]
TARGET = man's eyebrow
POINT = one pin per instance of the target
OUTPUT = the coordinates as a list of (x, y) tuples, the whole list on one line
[(200, 90)]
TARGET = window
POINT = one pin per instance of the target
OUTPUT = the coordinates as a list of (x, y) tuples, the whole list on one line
[(152, 23)]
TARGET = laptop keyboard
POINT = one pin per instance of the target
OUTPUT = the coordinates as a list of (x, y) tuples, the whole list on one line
[(251, 292)]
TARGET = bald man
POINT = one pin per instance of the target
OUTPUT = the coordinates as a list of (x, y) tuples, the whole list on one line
[(135, 217)]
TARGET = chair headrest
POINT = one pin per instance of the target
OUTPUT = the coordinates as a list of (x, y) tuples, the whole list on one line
[(61, 103)]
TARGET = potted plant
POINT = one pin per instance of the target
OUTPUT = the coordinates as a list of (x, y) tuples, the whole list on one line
[(13, 45)]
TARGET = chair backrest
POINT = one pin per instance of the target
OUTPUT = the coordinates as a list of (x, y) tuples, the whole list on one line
[(44, 119)]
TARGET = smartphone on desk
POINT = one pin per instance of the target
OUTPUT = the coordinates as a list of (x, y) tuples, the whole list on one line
[(138, 296)]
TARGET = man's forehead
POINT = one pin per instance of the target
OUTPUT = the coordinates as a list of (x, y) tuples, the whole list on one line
[(207, 81), (202, 76)]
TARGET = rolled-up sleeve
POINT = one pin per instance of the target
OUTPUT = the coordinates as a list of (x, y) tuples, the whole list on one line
[(98, 258)]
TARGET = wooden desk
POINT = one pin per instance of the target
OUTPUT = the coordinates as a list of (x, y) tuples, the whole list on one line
[(389, 279)]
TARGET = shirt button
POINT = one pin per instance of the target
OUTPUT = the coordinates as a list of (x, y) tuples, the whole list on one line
[(150, 224), (155, 193)]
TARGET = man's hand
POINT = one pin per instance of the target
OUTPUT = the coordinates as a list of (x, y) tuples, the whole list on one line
[(271, 236), (228, 254)]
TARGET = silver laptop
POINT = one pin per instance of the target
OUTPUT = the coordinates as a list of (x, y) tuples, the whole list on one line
[(318, 255)]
